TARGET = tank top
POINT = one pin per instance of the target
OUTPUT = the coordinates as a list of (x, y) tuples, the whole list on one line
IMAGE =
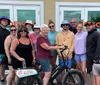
[(24, 51)]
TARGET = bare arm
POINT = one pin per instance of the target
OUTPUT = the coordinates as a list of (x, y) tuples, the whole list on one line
[(12, 49), (33, 52), (47, 47), (7, 46)]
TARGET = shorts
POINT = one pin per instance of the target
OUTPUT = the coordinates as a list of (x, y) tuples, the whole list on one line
[(68, 63), (80, 57), (96, 69), (45, 64), (89, 65), (2, 58)]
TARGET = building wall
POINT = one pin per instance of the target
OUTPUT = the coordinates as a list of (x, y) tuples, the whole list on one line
[(49, 7)]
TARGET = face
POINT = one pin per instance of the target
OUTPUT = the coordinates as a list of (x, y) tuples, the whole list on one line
[(79, 28), (4, 22), (23, 33), (52, 27), (73, 23), (13, 30), (44, 31), (28, 26), (37, 31), (89, 27), (65, 26)]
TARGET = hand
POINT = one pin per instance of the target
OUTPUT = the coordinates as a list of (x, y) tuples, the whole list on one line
[(21, 59), (34, 61), (9, 60)]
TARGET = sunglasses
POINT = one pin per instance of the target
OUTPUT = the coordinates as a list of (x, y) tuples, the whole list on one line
[(65, 24), (23, 30), (51, 26), (13, 30)]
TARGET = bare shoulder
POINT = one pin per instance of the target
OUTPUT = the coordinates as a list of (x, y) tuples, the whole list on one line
[(15, 41)]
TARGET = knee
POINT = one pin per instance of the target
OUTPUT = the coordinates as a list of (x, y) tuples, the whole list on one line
[(47, 74), (84, 71)]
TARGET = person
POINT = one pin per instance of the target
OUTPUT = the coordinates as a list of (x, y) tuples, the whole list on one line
[(4, 22), (29, 25), (91, 45), (22, 50), (43, 53), (33, 36), (52, 39), (10, 78), (80, 49), (65, 37), (73, 26)]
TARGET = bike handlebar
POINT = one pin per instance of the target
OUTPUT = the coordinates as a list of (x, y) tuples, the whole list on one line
[(62, 49)]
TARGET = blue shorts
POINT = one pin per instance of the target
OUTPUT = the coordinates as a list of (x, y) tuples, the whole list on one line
[(45, 64), (68, 63), (80, 57)]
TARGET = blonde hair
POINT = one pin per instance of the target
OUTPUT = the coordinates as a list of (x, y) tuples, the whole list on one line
[(43, 26)]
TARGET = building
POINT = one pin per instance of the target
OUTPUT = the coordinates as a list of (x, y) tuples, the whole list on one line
[(40, 11)]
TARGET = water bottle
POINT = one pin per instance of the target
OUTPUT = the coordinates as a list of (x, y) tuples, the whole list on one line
[(24, 64)]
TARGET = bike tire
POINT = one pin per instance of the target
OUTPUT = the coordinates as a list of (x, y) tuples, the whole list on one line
[(68, 80), (30, 80)]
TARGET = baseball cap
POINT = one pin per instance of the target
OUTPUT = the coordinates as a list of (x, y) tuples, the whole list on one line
[(88, 23)]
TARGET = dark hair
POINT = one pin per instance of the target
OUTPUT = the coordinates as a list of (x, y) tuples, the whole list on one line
[(12, 26), (20, 29), (51, 22)]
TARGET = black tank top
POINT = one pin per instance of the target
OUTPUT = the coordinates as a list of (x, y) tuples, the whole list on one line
[(24, 51)]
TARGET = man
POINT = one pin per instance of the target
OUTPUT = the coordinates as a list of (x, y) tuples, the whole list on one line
[(73, 25), (91, 46), (4, 21), (65, 37), (29, 25)]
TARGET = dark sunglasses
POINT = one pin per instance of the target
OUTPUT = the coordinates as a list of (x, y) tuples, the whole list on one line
[(65, 24), (51, 26), (13, 30), (23, 30), (72, 22)]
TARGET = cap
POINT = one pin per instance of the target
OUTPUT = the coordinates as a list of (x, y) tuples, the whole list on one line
[(65, 22), (88, 23)]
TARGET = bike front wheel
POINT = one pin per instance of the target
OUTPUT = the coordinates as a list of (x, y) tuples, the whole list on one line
[(73, 77), (30, 80)]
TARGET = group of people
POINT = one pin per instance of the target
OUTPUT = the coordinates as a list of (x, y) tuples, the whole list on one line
[(31, 42)]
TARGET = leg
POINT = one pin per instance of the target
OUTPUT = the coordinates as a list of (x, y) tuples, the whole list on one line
[(53, 60), (83, 69), (2, 72), (93, 79), (97, 78), (11, 76), (46, 78)]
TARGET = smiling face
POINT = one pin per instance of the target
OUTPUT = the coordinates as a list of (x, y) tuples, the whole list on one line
[(89, 27), (44, 31), (13, 31), (52, 27), (73, 23), (79, 27), (4, 22)]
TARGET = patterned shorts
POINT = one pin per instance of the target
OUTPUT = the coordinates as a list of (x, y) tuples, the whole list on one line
[(2, 58), (96, 69)]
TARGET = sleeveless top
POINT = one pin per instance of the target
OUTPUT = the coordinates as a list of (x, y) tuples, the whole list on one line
[(24, 51)]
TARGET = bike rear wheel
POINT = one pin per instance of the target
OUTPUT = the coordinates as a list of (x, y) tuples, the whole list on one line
[(74, 77), (30, 80)]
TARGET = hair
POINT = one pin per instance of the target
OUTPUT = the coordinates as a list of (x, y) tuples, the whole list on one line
[(19, 30), (12, 26), (43, 26), (51, 22), (80, 23)]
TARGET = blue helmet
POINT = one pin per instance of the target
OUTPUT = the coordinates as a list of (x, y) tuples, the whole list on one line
[(4, 17)]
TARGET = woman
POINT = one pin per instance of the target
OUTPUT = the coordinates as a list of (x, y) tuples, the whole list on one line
[(22, 50), (10, 78), (52, 39), (80, 49), (43, 53)]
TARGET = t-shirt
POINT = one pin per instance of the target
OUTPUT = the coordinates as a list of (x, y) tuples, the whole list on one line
[(3, 34), (41, 52)]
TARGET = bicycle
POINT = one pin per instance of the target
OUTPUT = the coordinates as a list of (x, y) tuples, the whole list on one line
[(71, 77)]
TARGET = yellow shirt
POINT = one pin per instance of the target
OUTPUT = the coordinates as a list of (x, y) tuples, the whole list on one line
[(66, 38)]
